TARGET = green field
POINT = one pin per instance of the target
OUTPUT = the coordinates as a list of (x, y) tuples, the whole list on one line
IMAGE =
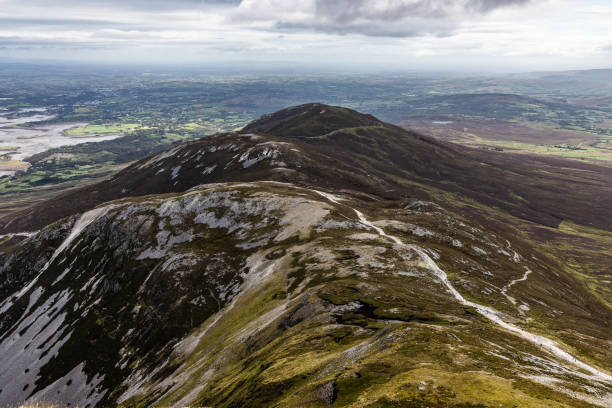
[(586, 153), (103, 129)]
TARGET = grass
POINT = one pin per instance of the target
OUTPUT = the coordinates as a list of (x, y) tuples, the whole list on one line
[(103, 129), (585, 231), (191, 126), (13, 165), (442, 387), (586, 255), (567, 151), (539, 137)]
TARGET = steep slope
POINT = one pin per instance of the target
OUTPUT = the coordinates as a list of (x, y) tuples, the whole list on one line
[(188, 280)]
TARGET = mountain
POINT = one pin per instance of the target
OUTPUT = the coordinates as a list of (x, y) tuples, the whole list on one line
[(319, 257), (338, 148)]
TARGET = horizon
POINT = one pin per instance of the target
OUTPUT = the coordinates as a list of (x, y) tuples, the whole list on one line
[(278, 69)]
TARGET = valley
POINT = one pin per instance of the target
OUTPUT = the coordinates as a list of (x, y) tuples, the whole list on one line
[(538, 114)]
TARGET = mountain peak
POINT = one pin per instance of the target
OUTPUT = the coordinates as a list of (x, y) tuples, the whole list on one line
[(310, 120)]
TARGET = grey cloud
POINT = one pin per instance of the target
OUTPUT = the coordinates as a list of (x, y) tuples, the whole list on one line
[(371, 29), (346, 11), (485, 6), (381, 18), (391, 18)]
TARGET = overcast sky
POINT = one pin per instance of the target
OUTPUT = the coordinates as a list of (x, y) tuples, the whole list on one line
[(478, 35)]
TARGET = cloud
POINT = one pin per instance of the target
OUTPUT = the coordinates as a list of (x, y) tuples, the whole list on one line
[(397, 30), (377, 18), (348, 11), (380, 18), (407, 33)]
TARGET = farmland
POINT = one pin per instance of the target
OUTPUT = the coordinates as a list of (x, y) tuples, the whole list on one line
[(102, 129), (145, 113)]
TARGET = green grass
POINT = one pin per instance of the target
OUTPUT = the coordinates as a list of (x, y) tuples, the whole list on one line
[(103, 129), (571, 152), (191, 126)]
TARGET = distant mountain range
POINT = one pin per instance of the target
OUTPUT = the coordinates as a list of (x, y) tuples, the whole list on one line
[(319, 257)]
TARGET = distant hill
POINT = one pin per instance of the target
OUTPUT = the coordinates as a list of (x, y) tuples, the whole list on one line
[(343, 149)]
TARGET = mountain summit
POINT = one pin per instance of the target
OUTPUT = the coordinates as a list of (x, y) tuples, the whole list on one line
[(319, 257), (310, 120)]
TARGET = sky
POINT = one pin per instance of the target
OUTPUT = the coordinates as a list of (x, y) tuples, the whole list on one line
[(441, 35)]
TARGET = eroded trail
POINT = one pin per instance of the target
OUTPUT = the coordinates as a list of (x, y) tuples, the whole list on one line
[(490, 313), (493, 315), (506, 288)]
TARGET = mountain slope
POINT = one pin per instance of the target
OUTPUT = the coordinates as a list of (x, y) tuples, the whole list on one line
[(180, 291), (316, 145), (221, 274)]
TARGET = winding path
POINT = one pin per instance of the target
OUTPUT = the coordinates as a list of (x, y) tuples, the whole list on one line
[(505, 289), (488, 312)]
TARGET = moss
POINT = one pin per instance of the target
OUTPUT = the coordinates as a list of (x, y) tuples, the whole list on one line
[(542, 392), (251, 393), (341, 335), (350, 386), (424, 401)]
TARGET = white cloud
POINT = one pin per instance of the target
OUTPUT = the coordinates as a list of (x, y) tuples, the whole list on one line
[(538, 34)]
